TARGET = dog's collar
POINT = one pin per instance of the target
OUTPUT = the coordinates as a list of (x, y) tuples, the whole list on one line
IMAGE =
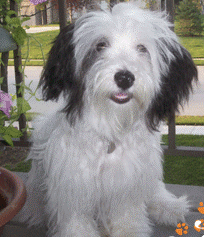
[(111, 147)]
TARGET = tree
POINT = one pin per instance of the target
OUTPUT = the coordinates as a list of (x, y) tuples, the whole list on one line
[(188, 17)]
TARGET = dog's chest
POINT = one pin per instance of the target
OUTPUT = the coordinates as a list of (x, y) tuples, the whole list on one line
[(116, 159)]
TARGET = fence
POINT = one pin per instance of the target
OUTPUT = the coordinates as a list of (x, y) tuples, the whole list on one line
[(172, 150)]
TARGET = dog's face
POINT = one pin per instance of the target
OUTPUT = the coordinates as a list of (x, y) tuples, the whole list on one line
[(119, 67)]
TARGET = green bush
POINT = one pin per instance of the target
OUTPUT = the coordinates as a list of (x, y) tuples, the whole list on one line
[(188, 18)]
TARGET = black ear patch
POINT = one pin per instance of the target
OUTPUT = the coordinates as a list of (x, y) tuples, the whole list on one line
[(59, 74), (175, 87)]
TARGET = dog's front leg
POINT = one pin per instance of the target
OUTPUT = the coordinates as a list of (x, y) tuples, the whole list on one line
[(134, 222), (165, 207), (80, 225)]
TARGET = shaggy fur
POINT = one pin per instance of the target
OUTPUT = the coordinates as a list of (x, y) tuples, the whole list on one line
[(97, 164)]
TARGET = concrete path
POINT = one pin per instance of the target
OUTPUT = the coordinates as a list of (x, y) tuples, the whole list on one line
[(41, 29), (193, 130)]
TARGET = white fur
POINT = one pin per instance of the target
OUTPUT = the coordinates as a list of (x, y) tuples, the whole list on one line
[(75, 186)]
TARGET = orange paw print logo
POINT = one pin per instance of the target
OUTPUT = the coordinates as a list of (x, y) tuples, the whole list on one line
[(182, 229), (201, 208), (197, 225)]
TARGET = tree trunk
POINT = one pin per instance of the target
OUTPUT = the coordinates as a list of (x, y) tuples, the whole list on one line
[(62, 14), (4, 59), (38, 17), (44, 16), (169, 6), (19, 80)]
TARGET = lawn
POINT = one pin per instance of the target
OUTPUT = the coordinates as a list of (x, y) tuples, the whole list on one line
[(186, 140), (184, 170), (43, 39), (189, 120), (195, 45)]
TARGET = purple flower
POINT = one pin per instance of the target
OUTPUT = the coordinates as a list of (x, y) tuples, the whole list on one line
[(5, 103), (35, 2)]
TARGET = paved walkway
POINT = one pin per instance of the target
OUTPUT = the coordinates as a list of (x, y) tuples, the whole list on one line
[(39, 29), (193, 130)]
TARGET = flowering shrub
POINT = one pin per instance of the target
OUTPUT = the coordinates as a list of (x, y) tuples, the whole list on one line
[(10, 113), (5, 103)]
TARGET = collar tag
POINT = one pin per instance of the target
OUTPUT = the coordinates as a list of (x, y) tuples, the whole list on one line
[(111, 147)]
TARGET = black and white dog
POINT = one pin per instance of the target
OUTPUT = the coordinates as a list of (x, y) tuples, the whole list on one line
[(97, 164)]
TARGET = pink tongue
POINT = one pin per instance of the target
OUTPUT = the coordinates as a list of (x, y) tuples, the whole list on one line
[(121, 96)]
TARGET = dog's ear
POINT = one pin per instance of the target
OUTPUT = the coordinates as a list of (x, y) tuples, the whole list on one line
[(59, 75), (58, 72), (176, 84)]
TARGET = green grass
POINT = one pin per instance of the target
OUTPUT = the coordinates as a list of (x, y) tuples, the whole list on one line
[(195, 45), (23, 166), (189, 120), (186, 140), (184, 170), (44, 38), (199, 62), (29, 63)]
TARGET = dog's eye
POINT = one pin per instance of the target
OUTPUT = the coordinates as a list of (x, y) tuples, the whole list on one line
[(101, 46), (141, 48)]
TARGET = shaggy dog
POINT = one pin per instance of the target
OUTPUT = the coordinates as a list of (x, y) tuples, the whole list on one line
[(97, 163)]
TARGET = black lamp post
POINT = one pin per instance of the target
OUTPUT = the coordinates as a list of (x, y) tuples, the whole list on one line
[(7, 43)]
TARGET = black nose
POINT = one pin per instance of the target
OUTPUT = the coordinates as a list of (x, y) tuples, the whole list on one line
[(124, 79)]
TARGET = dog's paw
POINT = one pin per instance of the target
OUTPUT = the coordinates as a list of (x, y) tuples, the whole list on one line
[(170, 212), (134, 222)]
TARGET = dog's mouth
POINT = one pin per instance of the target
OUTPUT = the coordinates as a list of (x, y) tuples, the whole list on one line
[(121, 97)]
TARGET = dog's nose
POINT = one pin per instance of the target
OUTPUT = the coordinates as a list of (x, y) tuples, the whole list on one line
[(124, 79)]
